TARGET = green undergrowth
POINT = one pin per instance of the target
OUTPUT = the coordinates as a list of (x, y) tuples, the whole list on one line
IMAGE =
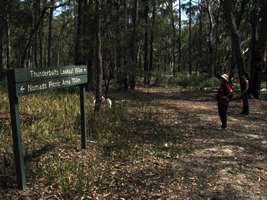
[(51, 137), (50, 125), (192, 82)]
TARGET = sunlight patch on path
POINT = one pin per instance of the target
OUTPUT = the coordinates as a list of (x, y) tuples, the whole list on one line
[(220, 151)]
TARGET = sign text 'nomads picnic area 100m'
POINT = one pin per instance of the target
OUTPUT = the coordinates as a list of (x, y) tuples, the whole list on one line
[(26, 81)]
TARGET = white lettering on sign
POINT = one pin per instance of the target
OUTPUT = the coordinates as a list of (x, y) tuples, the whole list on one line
[(41, 74), (66, 82), (80, 70), (75, 80), (32, 88), (22, 89), (67, 71), (53, 84)]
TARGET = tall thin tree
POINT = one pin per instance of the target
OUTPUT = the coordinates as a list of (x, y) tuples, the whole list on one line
[(235, 37), (173, 39), (190, 39), (99, 66), (180, 37), (134, 49), (146, 47), (151, 56), (49, 39)]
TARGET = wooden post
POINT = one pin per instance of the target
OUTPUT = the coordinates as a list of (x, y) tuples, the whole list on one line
[(83, 118), (16, 133)]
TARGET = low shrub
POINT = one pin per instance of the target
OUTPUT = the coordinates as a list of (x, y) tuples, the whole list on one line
[(194, 82)]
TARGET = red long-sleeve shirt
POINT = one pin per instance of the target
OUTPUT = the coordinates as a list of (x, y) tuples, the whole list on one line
[(225, 93)]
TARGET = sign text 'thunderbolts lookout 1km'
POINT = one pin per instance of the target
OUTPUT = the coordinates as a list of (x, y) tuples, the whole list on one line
[(34, 80)]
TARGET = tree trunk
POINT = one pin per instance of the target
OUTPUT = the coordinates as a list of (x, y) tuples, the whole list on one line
[(118, 48), (125, 62), (152, 42), (243, 6), (49, 40), (7, 45), (180, 37), (200, 31), (260, 49), (35, 13), (146, 44), (99, 67), (236, 48), (254, 23), (190, 38), (133, 47), (77, 58), (211, 39), (173, 38), (1, 38)]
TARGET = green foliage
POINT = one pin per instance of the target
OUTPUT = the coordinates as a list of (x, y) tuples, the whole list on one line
[(51, 125), (110, 130), (195, 81), (70, 174)]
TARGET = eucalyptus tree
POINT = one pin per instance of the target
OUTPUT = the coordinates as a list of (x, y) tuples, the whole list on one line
[(190, 38), (235, 36), (146, 43), (99, 69), (152, 33), (260, 47)]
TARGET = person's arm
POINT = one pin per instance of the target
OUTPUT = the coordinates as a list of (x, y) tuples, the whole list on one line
[(229, 89), (246, 87)]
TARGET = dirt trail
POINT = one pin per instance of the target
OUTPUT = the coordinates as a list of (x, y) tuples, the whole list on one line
[(171, 147), (206, 162)]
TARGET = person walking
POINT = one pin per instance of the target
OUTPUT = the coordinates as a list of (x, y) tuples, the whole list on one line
[(224, 95)]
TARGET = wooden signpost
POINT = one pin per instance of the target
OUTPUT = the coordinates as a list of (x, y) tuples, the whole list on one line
[(26, 81)]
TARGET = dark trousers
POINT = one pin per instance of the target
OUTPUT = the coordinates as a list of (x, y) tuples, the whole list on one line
[(222, 110), (245, 104)]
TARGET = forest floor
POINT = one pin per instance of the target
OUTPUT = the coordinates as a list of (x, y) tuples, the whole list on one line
[(175, 149)]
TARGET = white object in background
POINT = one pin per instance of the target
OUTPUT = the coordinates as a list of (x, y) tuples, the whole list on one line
[(105, 101), (108, 102)]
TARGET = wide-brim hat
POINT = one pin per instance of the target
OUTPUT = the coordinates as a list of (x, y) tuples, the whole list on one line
[(225, 77)]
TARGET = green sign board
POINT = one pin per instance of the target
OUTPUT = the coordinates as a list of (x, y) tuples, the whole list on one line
[(34, 80), (60, 82), (27, 81)]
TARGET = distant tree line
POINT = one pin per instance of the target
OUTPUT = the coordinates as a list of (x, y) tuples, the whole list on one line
[(130, 40)]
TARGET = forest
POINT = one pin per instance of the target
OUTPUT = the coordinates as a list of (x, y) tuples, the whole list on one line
[(155, 72)]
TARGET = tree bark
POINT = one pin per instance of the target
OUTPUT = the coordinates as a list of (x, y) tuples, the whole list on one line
[(190, 38), (133, 47), (125, 62), (78, 38), (173, 38), (146, 44), (152, 41), (1, 37), (7, 37), (180, 37), (243, 6), (49, 40), (200, 31), (260, 49), (235, 38), (35, 13), (211, 39), (99, 67)]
